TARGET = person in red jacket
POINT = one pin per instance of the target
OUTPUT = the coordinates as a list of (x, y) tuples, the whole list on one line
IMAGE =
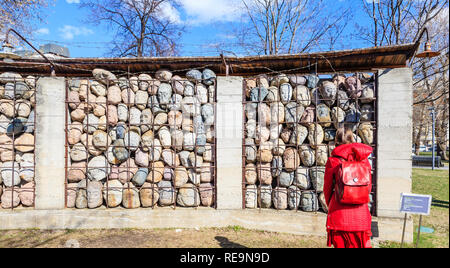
[(348, 226)]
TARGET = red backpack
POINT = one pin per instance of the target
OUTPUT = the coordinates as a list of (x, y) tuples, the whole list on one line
[(353, 180)]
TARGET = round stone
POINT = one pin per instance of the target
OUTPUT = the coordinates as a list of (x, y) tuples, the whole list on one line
[(188, 196), (365, 131), (337, 116), (367, 94), (181, 176), (323, 115), (98, 89), (251, 196), (286, 179), (280, 198), (294, 197), (293, 112), (208, 77), (301, 178), (353, 86), (114, 95), (309, 201), (94, 194), (10, 173), (98, 168), (297, 79), (264, 156), (141, 99), (308, 115), (127, 170), (264, 173), (315, 134), (194, 76), (156, 172), (104, 76), (141, 158), (78, 152), (149, 195), (163, 75), (343, 101), (24, 143), (277, 166), (250, 174), (101, 140), (312, 80), (167, 193), (258, 94), (202, 93), (317, 178), (77, 172), (164, 93), (272, 96), (140, 176), (307, 155), (285, 93), (328, 91), (265, 196), (291, 159), (302, 95), (10, 198), (112, 194), (132, 140), (298, 135), (90, 123), (130, 197), (321, 155), (206, 194)]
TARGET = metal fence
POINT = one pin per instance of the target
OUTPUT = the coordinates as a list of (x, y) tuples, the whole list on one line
[(17, 141), (290, 123), (140, 142)]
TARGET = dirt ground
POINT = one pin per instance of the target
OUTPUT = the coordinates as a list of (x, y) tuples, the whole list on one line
[(231, 237)]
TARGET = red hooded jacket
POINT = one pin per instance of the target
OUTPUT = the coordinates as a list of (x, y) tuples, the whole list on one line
[(344, 217)]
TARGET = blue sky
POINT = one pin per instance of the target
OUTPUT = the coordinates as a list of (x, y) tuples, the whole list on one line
[(208, 23)]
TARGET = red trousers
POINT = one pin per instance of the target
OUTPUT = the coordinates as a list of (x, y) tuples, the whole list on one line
[(343, 239)]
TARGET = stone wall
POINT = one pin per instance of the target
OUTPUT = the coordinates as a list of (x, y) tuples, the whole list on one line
[(290, 129), (392, 132), (17, 115), (141, 141)]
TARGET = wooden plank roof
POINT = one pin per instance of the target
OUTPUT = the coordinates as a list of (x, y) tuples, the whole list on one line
[(365, 59)]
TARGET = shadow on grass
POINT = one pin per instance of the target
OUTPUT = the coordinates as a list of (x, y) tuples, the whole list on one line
[(225, 243), (26, 241), (439, 203)]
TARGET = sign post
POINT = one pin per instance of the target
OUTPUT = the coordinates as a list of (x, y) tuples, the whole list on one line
[(414, 204)]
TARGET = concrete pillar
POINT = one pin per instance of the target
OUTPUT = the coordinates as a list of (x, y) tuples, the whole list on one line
[(229, 142), (394, 139), (50, 142)]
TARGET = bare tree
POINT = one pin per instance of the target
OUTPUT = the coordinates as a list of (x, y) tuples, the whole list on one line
[(402, 21), (287, 26), (142, 27), (19, 13)]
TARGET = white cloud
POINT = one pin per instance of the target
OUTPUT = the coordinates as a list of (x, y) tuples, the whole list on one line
[(207, 11), (73, 1), (42, 31), (169, 12), (68, 32)]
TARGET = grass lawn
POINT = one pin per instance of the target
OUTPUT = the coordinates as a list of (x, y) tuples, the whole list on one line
[(231, 237), (425, 181), (435, 183)]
